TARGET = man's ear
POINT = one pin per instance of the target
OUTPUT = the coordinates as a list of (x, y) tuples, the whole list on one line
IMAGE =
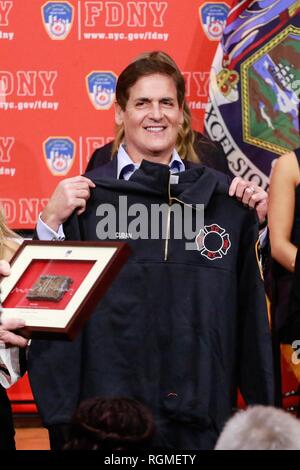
[(118, 114)]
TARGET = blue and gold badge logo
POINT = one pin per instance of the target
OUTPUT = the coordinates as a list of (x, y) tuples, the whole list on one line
[(59, 153), (101, 88), (213, 19), (58, 19)]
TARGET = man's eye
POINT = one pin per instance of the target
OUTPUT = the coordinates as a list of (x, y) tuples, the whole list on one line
[(168, 103), (139, 104)]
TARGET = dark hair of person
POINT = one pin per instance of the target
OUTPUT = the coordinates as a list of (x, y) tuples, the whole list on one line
[(111, 424)]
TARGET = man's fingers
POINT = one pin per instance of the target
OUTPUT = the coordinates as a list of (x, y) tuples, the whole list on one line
[(248, 194), (259, 201), (74, 194), (73, 184), (79, 180), (262, 209), (83, 194), (245, 190), (80, 211), (86, 180), (238, 187), (89, 182), (81, 205), (12, 323), (260, 196), (233, 186), (11, 339), (7, 335), (77, 187), (75, 198)]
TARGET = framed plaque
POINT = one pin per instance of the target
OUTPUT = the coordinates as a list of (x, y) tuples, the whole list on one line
[(55, 286)]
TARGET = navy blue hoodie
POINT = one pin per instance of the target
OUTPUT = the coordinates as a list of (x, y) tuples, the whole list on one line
[(179, 330)]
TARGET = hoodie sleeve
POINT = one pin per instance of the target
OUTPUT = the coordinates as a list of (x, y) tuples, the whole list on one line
[(256, 380)]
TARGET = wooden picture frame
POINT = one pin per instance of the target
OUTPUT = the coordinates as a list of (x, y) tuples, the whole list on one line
[(54, 286)]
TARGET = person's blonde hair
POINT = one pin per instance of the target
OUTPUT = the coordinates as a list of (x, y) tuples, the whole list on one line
[(7, 244), (150, 63)]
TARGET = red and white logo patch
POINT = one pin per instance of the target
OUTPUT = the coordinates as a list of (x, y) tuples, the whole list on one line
[(213, 242)]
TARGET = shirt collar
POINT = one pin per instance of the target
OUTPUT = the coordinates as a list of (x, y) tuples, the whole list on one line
[(126, 167)]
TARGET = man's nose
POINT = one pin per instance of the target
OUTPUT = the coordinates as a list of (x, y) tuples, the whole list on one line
[(155, 111)]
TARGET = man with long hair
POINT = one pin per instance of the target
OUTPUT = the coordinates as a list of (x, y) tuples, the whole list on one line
[(179, 329)]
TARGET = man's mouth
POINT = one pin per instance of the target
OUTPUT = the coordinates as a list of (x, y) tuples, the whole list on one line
[(155, 129)]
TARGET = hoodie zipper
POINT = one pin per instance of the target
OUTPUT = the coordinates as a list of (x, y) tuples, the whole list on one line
[(168, 220), (170, 200)]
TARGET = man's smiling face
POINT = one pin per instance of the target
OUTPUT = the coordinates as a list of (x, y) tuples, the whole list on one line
[(151, 119)]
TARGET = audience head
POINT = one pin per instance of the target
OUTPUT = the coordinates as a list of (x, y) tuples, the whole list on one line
[(260, 428), (111, 424)]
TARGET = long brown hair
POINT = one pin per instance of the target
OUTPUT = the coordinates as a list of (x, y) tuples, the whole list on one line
[(7, 244), (150, 63)]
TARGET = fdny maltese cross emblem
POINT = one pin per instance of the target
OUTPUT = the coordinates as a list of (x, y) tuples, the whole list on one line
[(213, 242)]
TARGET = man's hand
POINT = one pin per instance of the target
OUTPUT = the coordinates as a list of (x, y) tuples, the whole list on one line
[(69, 194), (8, 326), (8, 337), (251, 194)]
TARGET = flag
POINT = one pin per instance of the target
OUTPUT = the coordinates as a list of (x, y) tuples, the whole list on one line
[(255, 86)]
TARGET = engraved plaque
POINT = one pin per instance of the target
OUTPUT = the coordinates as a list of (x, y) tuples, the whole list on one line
[(50, 287)]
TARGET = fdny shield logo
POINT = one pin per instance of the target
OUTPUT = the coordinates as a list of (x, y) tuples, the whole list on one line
[(101, 89), (58, 19), (213, 242), (213, 19), (59, 153)]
